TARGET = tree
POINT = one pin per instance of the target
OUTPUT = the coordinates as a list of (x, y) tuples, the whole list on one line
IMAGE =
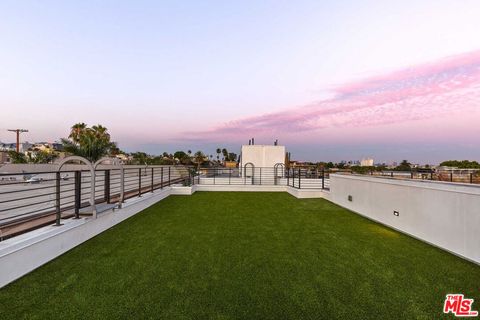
[(115, 150), (199, 159), (41, 156), (17, 157), (404, 166), (91, 143), (141, 158), (76, 131), (182, 157), (464, 164), (231, 157)]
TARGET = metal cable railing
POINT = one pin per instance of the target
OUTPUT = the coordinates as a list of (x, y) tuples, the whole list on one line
[(31, 200), (300, 178)]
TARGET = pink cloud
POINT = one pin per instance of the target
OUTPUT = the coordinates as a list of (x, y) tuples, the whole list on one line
[(435, 90)]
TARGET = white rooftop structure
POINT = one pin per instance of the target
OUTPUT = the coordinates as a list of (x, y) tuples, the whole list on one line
[(266, 156), (366, 162)]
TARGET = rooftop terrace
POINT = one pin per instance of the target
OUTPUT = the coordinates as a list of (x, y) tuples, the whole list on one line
[(228, 255)]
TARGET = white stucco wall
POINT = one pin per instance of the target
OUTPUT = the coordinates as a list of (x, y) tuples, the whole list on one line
[(444, 214), (265, 156), (22, 254)]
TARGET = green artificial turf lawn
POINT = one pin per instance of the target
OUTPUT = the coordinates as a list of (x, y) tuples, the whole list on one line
[(244, 256)]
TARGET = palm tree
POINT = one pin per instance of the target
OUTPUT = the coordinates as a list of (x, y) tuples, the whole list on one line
[(91, 143), (76, 131), (198, 158), (225, 154)]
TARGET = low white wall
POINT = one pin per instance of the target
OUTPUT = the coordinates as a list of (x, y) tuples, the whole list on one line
[(308, 193), (239, 188), (444, 214), (22, 254)]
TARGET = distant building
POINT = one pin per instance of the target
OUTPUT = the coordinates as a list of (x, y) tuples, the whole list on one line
[(57, 146), (123, 157), (367, 162), (24, 146), (7, 146), (4, 158), (42, 146)]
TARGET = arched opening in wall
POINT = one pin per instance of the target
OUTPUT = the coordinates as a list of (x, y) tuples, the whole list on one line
[(249, 170), (278, 172)]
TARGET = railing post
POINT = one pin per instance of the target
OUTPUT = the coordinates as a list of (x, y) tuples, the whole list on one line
[(214, 173), (323, 179), (57, 198), (411, 174), (230, 176), (288, 177), (139, 182), (260, 175), (78, 193), (471, 177), (431, 175), (106, 191), (151, 185), (169, 179), (293, 178), (122, 185), (451, 176), (161, 178), (299, 178)]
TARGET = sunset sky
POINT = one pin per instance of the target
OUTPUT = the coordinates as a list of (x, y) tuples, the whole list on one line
[(332, 80)]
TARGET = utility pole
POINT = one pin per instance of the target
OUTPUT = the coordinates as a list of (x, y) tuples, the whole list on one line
[(18, 131)]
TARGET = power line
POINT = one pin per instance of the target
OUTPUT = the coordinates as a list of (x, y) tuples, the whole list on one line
[(18, 131)]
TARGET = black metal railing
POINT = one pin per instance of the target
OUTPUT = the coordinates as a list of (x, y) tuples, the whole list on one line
[(456, 176), (31, 200), (301, 178)]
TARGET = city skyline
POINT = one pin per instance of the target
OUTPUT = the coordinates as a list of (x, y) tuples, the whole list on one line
[(332, 82)]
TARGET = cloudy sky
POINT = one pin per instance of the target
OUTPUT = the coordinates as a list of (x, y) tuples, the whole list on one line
[(332, 80)]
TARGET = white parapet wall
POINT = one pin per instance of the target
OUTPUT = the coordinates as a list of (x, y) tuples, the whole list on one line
[(22, 254), (446, 215)]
